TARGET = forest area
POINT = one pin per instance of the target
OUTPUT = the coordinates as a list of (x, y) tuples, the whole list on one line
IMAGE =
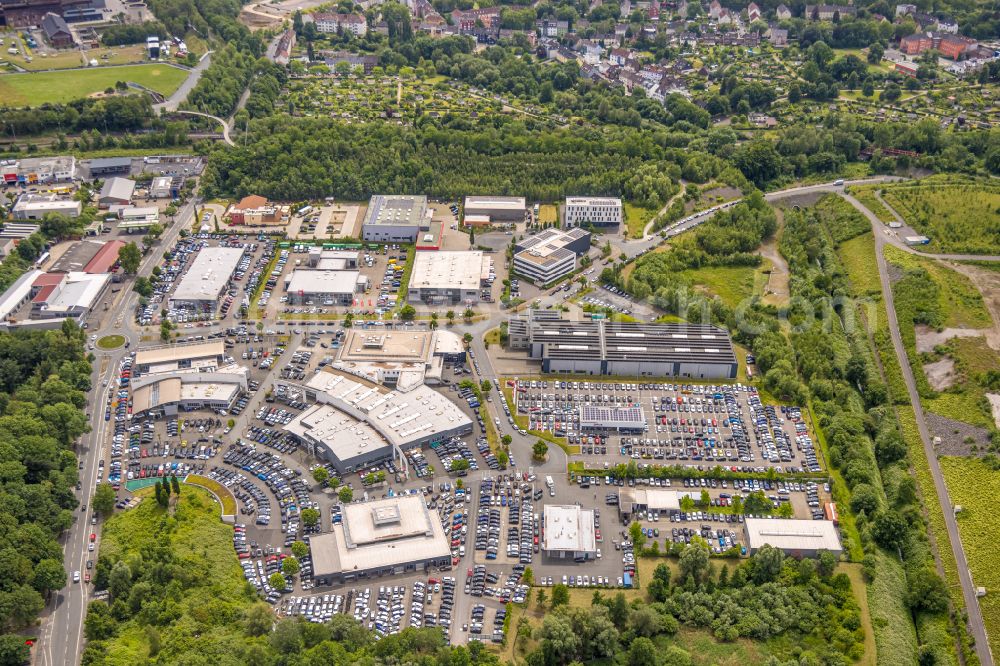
[(44, 377)]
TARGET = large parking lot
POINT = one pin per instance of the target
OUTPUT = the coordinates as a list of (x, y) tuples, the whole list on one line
[(684, 424)]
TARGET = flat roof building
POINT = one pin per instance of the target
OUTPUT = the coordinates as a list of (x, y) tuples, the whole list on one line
[(17, 294), (107, 166), (206, 279), (326, 287), (598, 212), (334, 260), (799, 538), (601, 347), (618, 419), (116, 191), (449, 277), (497, 209), (391, 536), (133, 218), (395, 218), (170, 393), (36, 207), (355, 424), (61, 295), (402, 359), (551, 254), (17, 230), (569, 532), (166, 187), (90, 256), (203, 356)]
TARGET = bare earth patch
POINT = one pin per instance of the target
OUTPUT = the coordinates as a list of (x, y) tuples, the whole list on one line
[(928, 338), (988, 284), (940, 374), (954, 435)]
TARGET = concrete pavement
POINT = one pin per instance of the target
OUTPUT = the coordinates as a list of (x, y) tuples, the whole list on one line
[(172, 102)]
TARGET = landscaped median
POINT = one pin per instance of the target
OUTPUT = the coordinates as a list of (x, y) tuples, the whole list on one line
[(221, 493)]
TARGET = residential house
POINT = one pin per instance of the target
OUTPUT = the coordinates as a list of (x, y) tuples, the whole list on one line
[(903, 10), (783, 13), (333, 58), (714, 9), (331, 23), (950, 46), (829, 12), (619, 56), (468, 21), (754, 13), (551, 28), (777, 36)]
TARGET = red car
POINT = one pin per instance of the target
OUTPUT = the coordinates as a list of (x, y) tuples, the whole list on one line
[(93, 537), (86, 577)]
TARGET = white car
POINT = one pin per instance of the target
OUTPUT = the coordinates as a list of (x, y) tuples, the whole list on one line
[(76, 576)]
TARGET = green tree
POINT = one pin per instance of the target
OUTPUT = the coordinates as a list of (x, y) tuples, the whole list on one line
[(290, 566), (694, 560), (767, 563), (540, 450), (277, 581), (467, 315), (310, 517), (129, 257), (13, 650), (503, 458), (635, 532), (926, 591), (258, 619), (687, 504), (175, 486), (120, 581), (450, 316), (48, 575), (642, 652), (300, 549), (104, 498), (540, 597), (320, 474), (560, 595), (459, 465), (705, 499), (506, 440), (407, 312), (346, 495)]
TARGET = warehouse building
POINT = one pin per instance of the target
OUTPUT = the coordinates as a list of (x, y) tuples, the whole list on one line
[(599, 212), (17, 230), (17, 294), (313, 286), (110, 166), (550, 254), (89, 256), (798, 538), (166, 187), (62, 295), (355, 424), (450, 277), (36, 207), (137, 218), (495, 209), (632, 500), (385, 537), (256, 211), (395, 218), (568, 532), (202, 356), (116, 191), (333, 260), (600, 347), (168, 394), (209, 275)]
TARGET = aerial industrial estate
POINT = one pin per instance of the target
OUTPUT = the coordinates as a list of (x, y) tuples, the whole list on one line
[(637, 333)]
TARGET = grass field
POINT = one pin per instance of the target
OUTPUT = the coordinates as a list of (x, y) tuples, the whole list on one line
[(40, 88), (636, 219), (866, 195), (116, 55), (958, 298), (217, 489), (957, 216), (732, 284), (858, 257), (974, 485), (548, 213)]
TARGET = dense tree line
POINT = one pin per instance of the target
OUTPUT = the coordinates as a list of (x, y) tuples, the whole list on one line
[(765, 597), (132, 33), (43, 380), (222, 84), (126, 113)]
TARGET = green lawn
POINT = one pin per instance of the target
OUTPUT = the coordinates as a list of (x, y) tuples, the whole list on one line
[(974, 485), (636, 219), (39, 88), (111, 341), (858, 257), (958, 298), (732, 284)]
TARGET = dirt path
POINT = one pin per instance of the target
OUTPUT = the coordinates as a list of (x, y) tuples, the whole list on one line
[(647, 233), (776, 292)]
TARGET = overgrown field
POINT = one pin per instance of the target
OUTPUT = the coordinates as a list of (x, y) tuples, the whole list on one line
[(866, 195), (201, 600), (958, 217), (975, 485), (39, 88)]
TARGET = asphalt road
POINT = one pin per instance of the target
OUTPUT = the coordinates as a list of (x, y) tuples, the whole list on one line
[(975, 622), (61, 632), (190, 82)]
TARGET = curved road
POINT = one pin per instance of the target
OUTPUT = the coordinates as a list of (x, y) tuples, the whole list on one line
[(225, 125), (190, 82)]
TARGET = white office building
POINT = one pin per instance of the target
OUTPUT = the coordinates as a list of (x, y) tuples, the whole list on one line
[(569, 532), (597, 212), (206, 279)]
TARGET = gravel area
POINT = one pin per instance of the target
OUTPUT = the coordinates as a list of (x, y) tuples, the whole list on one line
[(953, 434)]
